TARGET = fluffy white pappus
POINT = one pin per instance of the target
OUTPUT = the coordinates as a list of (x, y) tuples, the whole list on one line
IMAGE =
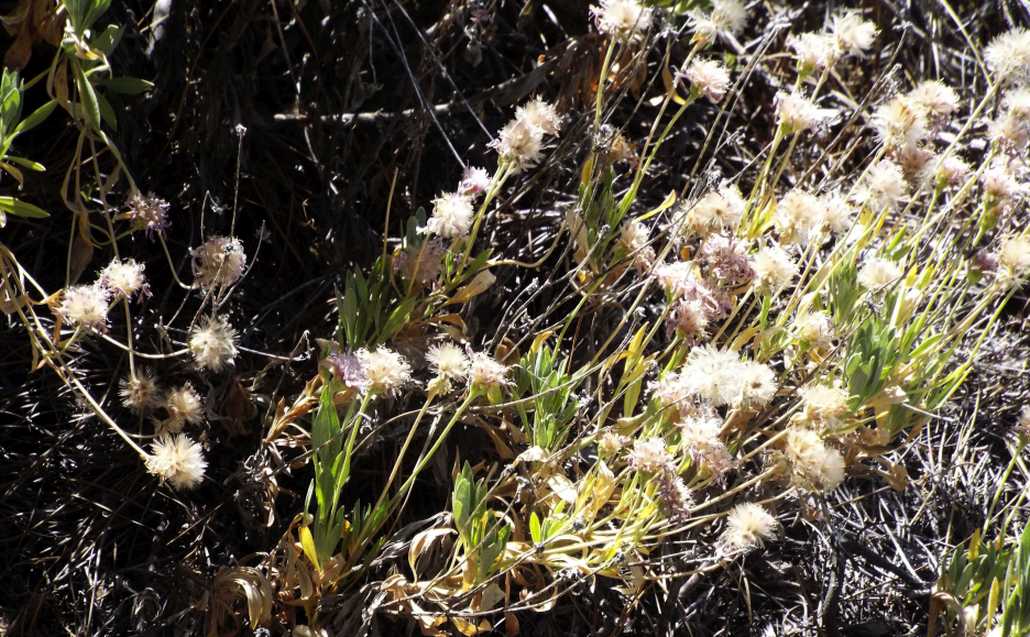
[(799, 217), (635, 240), (1008, 56), (540, 114), (877, 273), (883, 186), (184, 406), (452, 216), (709, 78), (935, 98), (815, 329), (774, 269), (520, 144), (814, 51), (717, 211), (815, 466), (901, 122), (726, 19), (825, 403), (700, 439), (385, 370), (85, 306), (486, 372), (124, 277), (218, 262), (177, 460), (148, 212), (721, 378), (475, 181), (853, 34), (946, 171), (797, 114), (838, 214), (1014, 258), (139, 391), (448, 361), (651, 456), (748, 526), (1000, 183), (622, 18), (213, 343)]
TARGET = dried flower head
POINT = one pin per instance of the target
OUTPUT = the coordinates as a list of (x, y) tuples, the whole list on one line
[(218, 262), (689, 319), (651, 456), (85, 306), (178, 460), (774, 269), (708, 78), (184, 407), (421, 262), (621, 18), (674, 497), (853, 34), (883, 186), (348, 369), (726, 19), (1000, 183), (148, 213), (540, 114), (1023, 424), (213, 343), (815, 51), (386, 370), (877, 272), (720, 377), (797, 114), (486, 372), (139, 392), (610, 443), (814, 465), (124, 277), (1008, 56), (520, 144), (838, 214), (452, 216), (748, 526)]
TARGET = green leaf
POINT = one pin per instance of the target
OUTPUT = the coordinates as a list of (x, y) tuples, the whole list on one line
[(534, 528), (107, 113), (27, 163), (21, 208), (91, 106), (108, 39), (128, 85)]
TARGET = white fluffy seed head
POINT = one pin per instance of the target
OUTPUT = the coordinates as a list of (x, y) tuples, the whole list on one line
[(385, 370), (1008, 56), (124, 277), (877, 272), (796, 113), (184, 406), (774, 269), (177, 460), (650, 456), (218, 262), (213, 343), (1014, 258), (708, 78), (815, 329), (485, 372), (748, 526), (540, 114), (622, 18), (825, 403), (799, 217), (729, 16), (947, 171), (884, 186), (139, 391), (717, 211), (853, 34), (448, 361), (520, 144), (85, 306), (935, 97), (814, 465), (452, 216), (814, 51), (901, 122)]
